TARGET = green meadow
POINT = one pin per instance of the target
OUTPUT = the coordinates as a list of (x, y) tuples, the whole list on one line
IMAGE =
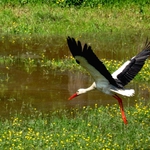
[(51, 19), (77, 128), (97, 22)]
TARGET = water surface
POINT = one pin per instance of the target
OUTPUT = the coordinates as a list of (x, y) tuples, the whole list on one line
[(51, 91)]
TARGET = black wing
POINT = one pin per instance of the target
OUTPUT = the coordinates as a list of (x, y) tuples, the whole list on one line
[(87, 53), (134, 65)]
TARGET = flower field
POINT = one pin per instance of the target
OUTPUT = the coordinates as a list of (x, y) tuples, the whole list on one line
[(78, 128)]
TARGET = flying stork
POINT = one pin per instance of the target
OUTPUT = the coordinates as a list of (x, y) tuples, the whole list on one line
[(111, 84)]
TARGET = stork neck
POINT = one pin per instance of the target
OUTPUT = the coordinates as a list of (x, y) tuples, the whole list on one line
[(92, 87)]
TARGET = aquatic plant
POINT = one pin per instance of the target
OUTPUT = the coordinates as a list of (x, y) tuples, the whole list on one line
[(67, 63)]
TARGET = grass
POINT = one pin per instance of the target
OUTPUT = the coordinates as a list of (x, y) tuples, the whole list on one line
[(49, 20), (77, 128)]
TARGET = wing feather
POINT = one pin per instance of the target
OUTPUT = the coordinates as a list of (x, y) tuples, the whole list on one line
[(92, 61), (131, 68)]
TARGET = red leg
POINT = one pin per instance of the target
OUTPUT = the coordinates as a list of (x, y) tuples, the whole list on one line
[(121, 108)]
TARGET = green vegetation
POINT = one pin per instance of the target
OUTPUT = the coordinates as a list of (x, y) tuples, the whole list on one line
[(78, 128), (120, 23), (79, 3), (111, 26), (51, 20), (67, 63)]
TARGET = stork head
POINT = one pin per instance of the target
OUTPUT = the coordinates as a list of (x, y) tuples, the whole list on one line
[(79, 92)]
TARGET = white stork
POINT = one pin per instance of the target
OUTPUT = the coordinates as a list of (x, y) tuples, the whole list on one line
[(104, 81)]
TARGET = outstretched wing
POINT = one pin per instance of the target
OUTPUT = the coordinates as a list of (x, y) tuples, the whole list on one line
[(87, 59), (131, 67)]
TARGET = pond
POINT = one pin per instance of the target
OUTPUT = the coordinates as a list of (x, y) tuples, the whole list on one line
[(50, 91)]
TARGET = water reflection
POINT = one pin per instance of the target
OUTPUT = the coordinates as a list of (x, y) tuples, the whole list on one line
[(116, 46)]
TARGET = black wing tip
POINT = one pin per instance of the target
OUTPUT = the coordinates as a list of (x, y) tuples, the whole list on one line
[(69, 39), (75, 46)]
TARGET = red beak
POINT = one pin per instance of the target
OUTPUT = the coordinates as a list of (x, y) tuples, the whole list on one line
[(73, 96)]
